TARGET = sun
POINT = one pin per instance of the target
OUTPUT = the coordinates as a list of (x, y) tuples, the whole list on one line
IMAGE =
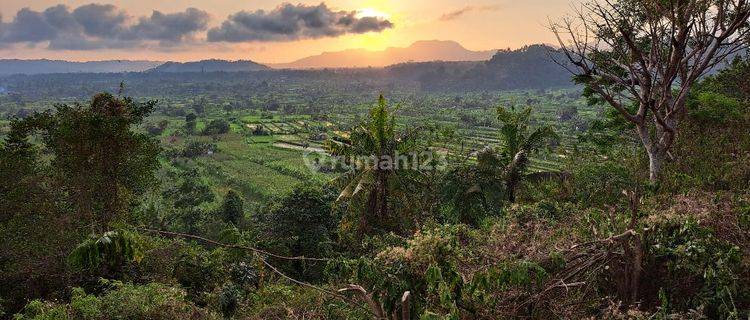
[(370, 12), (371, 40)]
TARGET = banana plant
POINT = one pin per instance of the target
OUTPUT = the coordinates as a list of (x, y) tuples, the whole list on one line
[(112, 250)]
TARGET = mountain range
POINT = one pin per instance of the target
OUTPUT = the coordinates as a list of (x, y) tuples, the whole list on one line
[(420, 51), (44, 66)]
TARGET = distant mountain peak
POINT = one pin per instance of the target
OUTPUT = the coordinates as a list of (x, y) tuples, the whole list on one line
[(418, 51), (427, 43), (210, 65)]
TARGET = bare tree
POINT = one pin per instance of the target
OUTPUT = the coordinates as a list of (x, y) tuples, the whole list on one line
[(643, 56)]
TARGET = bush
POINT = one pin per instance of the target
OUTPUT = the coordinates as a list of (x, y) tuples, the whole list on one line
[(696, 270), (121, 301), (232, 208), (196, 149), (276, 301), (199, 272), (598, 183)]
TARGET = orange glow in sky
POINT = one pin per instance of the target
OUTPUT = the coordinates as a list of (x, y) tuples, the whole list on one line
[(477, 25)]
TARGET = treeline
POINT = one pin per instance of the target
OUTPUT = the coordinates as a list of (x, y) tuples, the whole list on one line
[(526, 68)]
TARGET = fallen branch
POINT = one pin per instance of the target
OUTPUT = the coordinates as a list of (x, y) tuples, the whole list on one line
[(377, 309)]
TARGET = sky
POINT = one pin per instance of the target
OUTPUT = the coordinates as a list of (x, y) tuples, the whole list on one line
[(261, 30)]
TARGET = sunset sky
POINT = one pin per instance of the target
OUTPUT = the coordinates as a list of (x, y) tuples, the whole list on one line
[(184, 30)]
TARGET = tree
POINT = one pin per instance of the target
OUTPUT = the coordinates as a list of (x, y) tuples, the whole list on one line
[(373, 148), (217, 126), (642, 57), (475, 190), (188, 196), (231, 208), (21, 186), (302, 224), (519, 142), (190, 123), (98, 159)]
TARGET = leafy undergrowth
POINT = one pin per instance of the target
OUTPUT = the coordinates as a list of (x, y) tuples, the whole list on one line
[(540, 260), (120, 301)]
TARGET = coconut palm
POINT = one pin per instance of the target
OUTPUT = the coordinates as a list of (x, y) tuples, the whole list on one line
[(371, 151), (519, 142)]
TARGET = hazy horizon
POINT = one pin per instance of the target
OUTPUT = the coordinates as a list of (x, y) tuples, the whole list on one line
[(270, 32), (272, 63)]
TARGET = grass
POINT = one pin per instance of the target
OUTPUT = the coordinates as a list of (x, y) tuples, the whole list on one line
[(253, 166)]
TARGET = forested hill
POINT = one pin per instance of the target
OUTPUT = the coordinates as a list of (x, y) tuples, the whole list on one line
[(531, 67), (210, 66)]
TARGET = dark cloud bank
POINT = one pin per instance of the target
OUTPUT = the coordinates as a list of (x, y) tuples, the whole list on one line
[(97, 26), (291, 22)]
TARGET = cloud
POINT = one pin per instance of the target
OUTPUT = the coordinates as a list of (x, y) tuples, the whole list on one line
[(453, 15), (100, 20), (96, 26), (29, 26), (173, 27), (289, 22)]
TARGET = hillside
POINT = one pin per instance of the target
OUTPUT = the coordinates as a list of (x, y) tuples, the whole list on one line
[(44, 66), (531, 67), (420, 51), (210, 66)]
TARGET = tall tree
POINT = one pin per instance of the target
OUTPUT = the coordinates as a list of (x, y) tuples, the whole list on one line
[(303, 223), (21, 182), (232, 208), (188, 196), (372, 149), (190, 123), (642, 57), (98, 159), (519, 142)]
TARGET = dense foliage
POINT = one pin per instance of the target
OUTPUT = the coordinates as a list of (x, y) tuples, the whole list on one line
[(250, 208)]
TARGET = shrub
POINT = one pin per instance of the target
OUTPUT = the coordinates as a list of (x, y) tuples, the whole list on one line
[(196, 149), (198, 272), (696, 270), (121, 301), (106, 255), (598, 183), (302, 224)]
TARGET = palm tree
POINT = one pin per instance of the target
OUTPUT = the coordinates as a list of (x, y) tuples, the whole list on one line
[(519, 142), (372, 149)]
